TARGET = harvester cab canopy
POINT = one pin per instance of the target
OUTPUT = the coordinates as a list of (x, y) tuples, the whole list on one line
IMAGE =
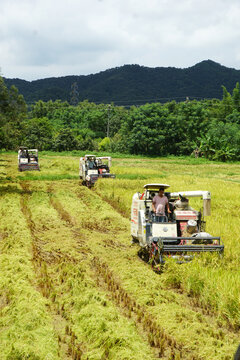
[(152, 189), (156, 187), (89, 157), (25, 150)]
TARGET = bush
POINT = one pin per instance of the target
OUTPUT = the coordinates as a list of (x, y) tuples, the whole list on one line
[(104, 145)]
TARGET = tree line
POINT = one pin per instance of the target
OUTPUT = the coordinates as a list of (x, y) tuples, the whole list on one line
[(211, 127)]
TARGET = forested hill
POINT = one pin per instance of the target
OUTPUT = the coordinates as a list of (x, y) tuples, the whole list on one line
[(134, 84)]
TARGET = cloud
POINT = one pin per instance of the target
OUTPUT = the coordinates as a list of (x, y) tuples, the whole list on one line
[(42, 38)]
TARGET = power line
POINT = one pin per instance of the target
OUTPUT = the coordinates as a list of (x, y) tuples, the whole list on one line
[(131, 102)]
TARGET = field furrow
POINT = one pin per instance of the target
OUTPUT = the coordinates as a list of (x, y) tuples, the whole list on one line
[(41, 260)]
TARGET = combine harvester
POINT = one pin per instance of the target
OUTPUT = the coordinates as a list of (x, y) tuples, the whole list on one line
[(27, 159), (178, 235), (91, 168)]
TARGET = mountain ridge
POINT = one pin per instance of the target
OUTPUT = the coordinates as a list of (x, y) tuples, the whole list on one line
[(134, 84)]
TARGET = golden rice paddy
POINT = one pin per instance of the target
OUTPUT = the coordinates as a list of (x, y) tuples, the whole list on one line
[(72, 285)]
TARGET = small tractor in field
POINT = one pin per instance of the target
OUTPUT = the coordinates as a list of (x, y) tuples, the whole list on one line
[(27, 159), (178, 231), (91, 168)]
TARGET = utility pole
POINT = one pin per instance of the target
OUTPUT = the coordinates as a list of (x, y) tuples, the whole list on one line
[(74, 94)]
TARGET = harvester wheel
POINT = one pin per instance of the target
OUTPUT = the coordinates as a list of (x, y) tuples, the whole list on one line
[(143, 254), (154, 259), (237, 354)]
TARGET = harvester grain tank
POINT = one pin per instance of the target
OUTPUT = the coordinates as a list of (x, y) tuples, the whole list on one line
[(179, 234), (91, 168), (27, 159)]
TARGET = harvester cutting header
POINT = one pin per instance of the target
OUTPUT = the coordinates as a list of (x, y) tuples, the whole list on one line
[(91, 168), (166, 225)]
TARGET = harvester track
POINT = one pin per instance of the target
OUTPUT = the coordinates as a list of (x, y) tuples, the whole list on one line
[(112, 203), (163, 344)]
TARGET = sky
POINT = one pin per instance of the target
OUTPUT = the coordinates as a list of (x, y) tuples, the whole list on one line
[(45, 38)]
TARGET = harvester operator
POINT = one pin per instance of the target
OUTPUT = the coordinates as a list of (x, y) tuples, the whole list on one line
[(160, 201)]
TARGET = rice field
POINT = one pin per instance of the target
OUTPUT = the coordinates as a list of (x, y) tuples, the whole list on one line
[(72, 285)]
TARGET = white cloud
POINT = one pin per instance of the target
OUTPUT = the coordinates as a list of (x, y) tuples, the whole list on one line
[(43, 38)]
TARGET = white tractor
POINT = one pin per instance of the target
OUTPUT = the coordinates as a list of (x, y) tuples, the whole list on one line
[(92, 167), (178, 233), (27, 159)]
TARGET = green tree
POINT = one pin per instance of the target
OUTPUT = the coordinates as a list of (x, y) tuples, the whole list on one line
[(104, 144), (221, 142), (4, 98), (226, 105), (65, 140), (38, 133), (236, 98), (145, 131), (234, 117), (13, 111), (17, 109), (46, 109)]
